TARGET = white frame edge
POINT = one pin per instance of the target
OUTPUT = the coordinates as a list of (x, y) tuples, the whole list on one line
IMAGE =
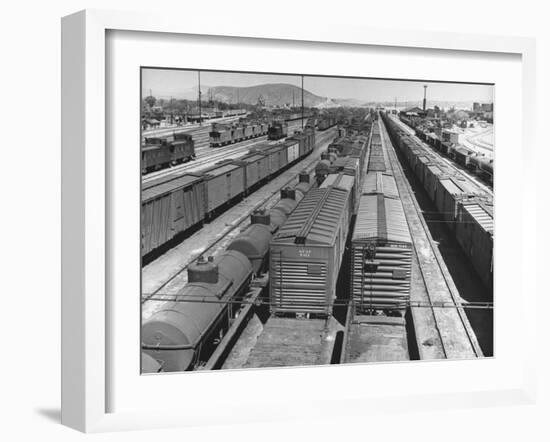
[(84, 194)]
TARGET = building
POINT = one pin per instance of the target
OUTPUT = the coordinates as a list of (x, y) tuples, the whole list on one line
[(477, 107), (449, 135)]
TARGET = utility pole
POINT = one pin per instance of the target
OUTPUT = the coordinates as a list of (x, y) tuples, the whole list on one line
[(200, 104), (424, 102), (302, 102)]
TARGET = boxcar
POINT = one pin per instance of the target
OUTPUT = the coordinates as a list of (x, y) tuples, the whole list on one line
[(301, 139), (474, 232), (154, 156), (182, 150), (381, 250), (293, 150), (379, 182), (306, 253), (171, 208), (277, 130), (345, 182), (220, 135), (223, 183), (433, 174), (450, 191), (422, 169), (256, 167), (339, 164), (462, 156)]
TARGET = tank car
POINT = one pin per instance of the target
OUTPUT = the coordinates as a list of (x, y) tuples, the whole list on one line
[(177, 334)]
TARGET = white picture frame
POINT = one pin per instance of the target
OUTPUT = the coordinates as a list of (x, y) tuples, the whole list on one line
[(85, 307)]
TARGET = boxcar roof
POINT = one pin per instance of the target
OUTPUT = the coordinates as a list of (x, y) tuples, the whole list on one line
[(169, 186), (338, 180), (249, 158), (316, 219), (457, 186), (482, 214), (382, 219), (220, 169), (379, 182)]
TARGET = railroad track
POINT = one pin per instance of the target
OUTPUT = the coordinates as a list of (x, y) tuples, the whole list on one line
[(464, 172), (446, 333), (177, 278)]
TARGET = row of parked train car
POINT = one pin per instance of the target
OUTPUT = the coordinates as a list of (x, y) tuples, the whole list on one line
[(307, 252), (473, 161), (172, 208), (224, 134), (161, 152), (326, 122), (465, 207), (183, 333)]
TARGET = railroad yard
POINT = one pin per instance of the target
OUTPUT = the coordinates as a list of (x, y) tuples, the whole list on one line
[(357, 235)]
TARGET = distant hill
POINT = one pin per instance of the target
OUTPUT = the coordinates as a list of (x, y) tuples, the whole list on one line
[(276, 94)]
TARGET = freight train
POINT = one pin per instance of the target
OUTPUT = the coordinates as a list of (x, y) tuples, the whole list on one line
[(473, 161), (325, 122), (465, 207), (307, 252), (158, 153), (184, 332), (224, 134), (380, 267), (170, 209)]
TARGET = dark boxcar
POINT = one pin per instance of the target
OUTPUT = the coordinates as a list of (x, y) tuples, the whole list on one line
[(277, 130), (462, 156), (171, 208), (223, 183), (381, 256), (306, 254), (182, 150), (474, 232), (155, 156)]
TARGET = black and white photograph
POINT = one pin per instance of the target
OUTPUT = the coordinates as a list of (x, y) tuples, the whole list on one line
[(298, 220)]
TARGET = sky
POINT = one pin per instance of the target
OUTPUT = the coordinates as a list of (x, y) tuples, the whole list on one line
[(166, 83)]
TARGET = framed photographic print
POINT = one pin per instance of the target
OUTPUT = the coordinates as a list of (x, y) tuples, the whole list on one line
[(240, 226)]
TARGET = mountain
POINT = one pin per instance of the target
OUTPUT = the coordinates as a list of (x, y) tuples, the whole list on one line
[(276, 94)]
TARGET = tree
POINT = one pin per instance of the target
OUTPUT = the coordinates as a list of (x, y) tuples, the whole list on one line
[(150, 100)]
